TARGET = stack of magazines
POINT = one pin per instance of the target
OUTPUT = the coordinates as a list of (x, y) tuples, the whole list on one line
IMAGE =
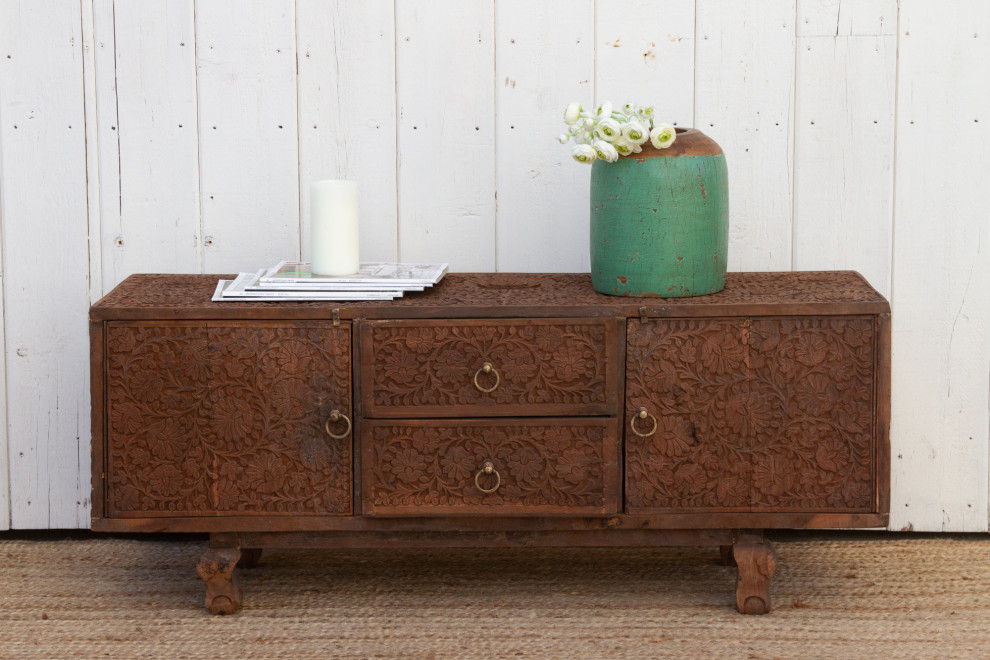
[(293, 280)]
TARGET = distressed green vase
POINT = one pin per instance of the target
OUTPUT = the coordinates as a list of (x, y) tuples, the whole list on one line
[(660, 220)]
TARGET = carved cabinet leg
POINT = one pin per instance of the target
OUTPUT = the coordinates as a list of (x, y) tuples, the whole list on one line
[(757, 561), (216, 568), (249, 557)]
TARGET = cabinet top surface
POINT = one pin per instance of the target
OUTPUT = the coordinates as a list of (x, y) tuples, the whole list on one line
[(156, 296)]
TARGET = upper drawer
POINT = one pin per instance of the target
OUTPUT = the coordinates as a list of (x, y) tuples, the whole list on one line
[(463, 368)]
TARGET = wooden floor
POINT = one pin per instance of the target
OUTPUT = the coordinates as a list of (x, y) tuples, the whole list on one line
[(845, 595)]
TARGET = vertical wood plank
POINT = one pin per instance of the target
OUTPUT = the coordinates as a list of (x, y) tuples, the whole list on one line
[(45, 257), (844, 147), (103, 140), (744, 100), (92, 151), (445, 79), (248, 148), (542, 221), (5, 430), (644, 54), (941, 271), (153, 225), (346, 53)]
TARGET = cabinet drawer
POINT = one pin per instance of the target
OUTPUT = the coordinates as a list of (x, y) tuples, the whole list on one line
[(474, 368), (538, 466), (228, 419)]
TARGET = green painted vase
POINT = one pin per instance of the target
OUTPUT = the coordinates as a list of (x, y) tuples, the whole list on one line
[(660, 220)]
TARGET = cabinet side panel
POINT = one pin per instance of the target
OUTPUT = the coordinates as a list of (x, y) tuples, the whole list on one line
[(97, 366), (882, 421)]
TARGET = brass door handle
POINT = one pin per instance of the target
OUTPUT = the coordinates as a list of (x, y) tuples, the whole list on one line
[(642, 413), (336, 416), (488, 468), (486, 368)]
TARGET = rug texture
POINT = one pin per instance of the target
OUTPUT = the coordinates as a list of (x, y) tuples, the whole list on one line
[(836, 596)]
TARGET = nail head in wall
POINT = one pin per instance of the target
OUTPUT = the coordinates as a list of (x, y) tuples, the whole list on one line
[(208, 240), (182, 43), (119, 241)]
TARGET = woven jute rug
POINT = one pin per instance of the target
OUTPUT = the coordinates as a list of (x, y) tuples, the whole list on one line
[(835, 596)]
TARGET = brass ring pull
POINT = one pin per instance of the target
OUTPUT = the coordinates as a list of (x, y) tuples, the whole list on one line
[(336, 416), (488, 468), (643, 414), (486, 368)]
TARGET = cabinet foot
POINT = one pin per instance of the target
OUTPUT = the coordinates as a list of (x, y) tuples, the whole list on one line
[(249, 557), (216, 568), (757, 561)]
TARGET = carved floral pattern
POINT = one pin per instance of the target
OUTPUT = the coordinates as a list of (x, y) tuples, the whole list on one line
[(768, 414), (537, 363), (560, 290), (227, 419), (434, 465)]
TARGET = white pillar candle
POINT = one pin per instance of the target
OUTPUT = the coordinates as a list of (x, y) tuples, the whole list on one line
[(334, 227)]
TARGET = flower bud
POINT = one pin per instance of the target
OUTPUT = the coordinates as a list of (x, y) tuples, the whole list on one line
[(572, 114), (605, 151), (662, 136), (583, 153), (563, 138)]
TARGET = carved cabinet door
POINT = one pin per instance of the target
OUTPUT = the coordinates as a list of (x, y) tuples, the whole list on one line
[(228, 419), (765, 414)]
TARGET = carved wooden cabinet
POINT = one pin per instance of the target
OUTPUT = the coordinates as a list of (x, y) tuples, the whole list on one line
[(493, 410)]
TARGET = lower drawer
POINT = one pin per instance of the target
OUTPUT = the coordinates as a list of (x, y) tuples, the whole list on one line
[(490, 467)]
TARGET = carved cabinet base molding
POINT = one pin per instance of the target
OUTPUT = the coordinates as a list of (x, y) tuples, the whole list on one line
[(495, 410)]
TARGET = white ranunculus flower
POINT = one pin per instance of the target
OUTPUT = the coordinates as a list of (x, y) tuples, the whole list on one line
[(563, 138), (605, 109), (647, 112), (583, 153), (663, 135), (635, 132), (608, 130), (572, 114), (605, 151), (624, 146)]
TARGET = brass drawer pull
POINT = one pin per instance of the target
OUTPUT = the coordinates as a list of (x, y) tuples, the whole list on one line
[(643, 414), (486, 368), (336, 416), (488, 468)]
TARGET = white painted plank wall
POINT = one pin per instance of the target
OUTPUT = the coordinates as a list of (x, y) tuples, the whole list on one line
[(844, 137), (248, 133), (149, 145), (445, 82), (644, 53), (446, 113), (346, 55), (542, 192), (744, 98), (941, 270), (45, 262)]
